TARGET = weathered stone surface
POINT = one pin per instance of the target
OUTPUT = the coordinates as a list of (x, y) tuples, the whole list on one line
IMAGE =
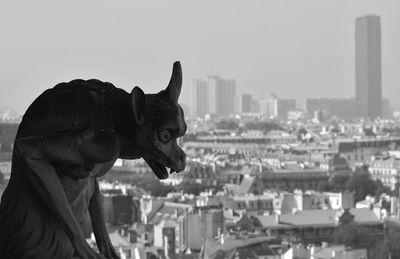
[(69, 136)]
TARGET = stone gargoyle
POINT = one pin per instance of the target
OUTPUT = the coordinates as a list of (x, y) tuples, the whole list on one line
[(69, 136)]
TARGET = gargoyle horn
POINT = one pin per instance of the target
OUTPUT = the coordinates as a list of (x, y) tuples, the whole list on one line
[(175, 84)]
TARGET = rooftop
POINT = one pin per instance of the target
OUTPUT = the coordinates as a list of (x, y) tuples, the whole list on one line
[(316, 218)]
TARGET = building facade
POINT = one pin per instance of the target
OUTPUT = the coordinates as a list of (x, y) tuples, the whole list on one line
[(203, 223), (387, 170)]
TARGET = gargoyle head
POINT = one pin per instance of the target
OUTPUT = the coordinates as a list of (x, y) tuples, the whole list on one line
[(160, 122)]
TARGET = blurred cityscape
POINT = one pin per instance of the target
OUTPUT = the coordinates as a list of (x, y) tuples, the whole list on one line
[(266, 177)]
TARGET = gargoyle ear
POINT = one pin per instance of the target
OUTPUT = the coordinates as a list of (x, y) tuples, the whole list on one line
[(175, 84), (138, 104)]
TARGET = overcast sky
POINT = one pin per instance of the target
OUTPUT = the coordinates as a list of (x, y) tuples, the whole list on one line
[(296, 49)]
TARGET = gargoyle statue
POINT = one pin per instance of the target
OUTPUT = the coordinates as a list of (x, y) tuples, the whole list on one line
[(69, 136)]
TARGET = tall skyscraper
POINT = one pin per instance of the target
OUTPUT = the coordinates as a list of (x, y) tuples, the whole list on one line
[(222, 95), (213, 95), (368, 66)]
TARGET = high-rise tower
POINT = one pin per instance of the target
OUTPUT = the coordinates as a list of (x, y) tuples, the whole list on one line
[(214, 95), (368, 66)]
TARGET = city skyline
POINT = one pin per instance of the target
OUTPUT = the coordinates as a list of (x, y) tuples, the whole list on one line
[(293, 49)]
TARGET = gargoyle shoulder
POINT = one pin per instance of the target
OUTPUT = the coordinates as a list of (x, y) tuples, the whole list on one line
[(71, 106)]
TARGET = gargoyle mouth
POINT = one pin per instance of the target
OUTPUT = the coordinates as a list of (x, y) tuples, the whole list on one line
[(159, 169)]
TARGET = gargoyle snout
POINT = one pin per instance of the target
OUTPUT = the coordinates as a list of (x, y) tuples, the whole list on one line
[(181, 161)]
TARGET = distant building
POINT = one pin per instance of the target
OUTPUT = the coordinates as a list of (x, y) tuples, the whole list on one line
[(154, 210), (266, 107), (387, 109), (274, 107), (200, 173), (315, 226), (164, 237), (360, 151), (387, 170), (125, 245), (246, 185), (255, 106), (291, 203), (227, 247), (304, 179), (5, 169), (245, 101), (214, 95), (325, 200), (253, 203), (340, 200), (296, 252), (368, 66), (341, 107), (222, 96), (200, 98), (283, 107), (336, 252), (274, 138), (203, 223)]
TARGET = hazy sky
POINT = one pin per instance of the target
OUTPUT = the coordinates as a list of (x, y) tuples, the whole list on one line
[(297, 49)]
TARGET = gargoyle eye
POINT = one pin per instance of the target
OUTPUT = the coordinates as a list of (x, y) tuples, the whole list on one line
[(164, 136)]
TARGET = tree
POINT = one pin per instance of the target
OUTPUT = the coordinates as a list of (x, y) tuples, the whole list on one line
[(324, 187), (227, 125), (354, 236), (362, 185), (380, 189), (338, 182)]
